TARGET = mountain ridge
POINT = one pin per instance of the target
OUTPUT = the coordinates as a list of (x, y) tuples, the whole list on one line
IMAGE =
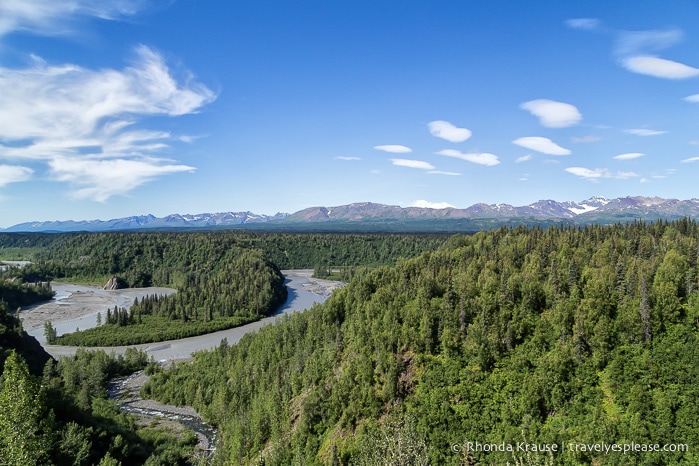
[(596, 209)]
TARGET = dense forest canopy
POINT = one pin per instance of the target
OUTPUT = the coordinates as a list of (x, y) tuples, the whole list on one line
[(564, 336), (169, 259), (223, 279), (57, 412)]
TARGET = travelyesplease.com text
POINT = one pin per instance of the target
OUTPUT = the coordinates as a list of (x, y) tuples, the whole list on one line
[(574, 447)]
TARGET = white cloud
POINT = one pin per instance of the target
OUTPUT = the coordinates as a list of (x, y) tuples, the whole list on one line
[(597, 173), (51, 17), (694, 142), (690, 160), (639, 42), (445, 130), (523, 158), (543, 145), (101, 179), (659, 67), (644, 132), (692, 98), (432, 205), (440, 172), (629, 156), (412, 164), (189, 139), (394, 148), (585, 139), (553, 114), (583, 23), (54, 113), (481, 158), (13, 174), (69, 102), (636, 50), (587, 173), (342, 157)]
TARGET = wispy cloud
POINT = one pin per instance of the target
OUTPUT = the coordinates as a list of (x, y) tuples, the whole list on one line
[(692, 98), (54, 113), (691, 160), (553, 114), (583, 23), (644, 132), (543, 145), (189, 139), (629, 156), (481, 158), (412, 164), (432, 205), (343, 157), (440, 172), (445, 130), (637, 52), (50, 17), (585, 139), (653, 40), (101, 179), (667, 172), (659, 67), (524, 158), (394, 148), (14, 174), (597, 173)]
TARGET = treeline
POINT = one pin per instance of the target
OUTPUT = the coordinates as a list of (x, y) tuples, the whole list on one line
[(223, 279), (16, 294), (61, 415), (568, 335), (23, 286), (168, 259)]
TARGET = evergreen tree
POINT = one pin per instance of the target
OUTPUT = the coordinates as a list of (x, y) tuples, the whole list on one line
[(24, 439)]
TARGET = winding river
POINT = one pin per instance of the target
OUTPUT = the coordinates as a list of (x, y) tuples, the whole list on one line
[(303, 292)]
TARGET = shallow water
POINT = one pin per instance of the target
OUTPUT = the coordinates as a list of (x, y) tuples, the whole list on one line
[(299, 298), (120, 389)]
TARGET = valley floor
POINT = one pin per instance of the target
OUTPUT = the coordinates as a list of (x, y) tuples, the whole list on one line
[(73, 303)]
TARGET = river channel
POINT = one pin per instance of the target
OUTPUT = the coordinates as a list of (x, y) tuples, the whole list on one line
[(303, 290), (78, 306)]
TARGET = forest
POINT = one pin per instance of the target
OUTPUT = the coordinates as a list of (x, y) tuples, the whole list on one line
[(57, 413), (223, 279), (564, 336)]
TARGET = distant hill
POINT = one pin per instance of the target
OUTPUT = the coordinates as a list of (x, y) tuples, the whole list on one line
[(147, 222), (368, 216)]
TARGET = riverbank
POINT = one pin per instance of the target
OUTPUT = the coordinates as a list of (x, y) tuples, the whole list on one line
[(126, 392), (303, 292), (78, 305)]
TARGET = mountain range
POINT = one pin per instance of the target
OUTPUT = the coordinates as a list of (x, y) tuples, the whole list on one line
[(372, 216)]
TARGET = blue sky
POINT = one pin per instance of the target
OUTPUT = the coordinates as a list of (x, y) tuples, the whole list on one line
[(127, 107)]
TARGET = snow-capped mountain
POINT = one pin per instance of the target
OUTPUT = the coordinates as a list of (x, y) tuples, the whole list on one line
[(368, 215), (149, 222)]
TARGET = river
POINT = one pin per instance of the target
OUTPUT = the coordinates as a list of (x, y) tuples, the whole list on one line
[(303, 292)]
